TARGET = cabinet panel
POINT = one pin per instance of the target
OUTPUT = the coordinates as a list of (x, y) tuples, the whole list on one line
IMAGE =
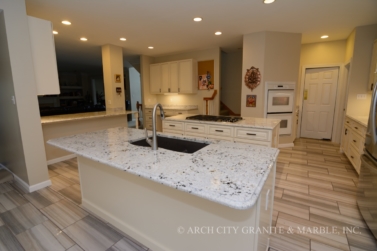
[(187, 83), (173, 126), (222, 131), (155, 79), (252, 134), (165, 78), (174, 79), (345, 139), (44, 56), (195, 128)]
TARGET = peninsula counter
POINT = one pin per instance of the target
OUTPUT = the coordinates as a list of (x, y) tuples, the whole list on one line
[(161, 197)]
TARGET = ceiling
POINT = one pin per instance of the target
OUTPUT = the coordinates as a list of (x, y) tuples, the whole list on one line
[(169, 27)]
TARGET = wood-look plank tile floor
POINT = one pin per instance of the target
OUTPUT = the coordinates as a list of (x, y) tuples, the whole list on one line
[(315, 208)]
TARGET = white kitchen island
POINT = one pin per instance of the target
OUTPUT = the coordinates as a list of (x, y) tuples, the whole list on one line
[(213, 199)]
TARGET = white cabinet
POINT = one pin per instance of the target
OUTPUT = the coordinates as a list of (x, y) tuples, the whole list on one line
[(168, 113), (44, 56), (353, 139), (173, 77), (249, 135)]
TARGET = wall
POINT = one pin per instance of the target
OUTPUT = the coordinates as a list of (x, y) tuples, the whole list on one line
[(231, 80), (194, 99), (34, 169), (148, 98), (135, 92), (359, 72), (350, 44), (277, 55)]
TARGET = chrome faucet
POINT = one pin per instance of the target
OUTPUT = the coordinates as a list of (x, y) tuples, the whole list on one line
[(153, 142)]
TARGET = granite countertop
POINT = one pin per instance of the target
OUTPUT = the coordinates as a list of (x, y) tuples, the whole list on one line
[(78, 116), (175, 107), (231, 174), (263, 123), (361, 119)]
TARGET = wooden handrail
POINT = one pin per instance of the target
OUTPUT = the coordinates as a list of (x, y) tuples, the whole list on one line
[(208, 99)]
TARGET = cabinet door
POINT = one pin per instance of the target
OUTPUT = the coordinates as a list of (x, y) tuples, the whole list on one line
[(44, 56), (173, 67), (165, 78), (186, 77), (155, 78), (346, 136)]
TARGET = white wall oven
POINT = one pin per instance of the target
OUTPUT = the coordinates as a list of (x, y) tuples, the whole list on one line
[(280, 104)]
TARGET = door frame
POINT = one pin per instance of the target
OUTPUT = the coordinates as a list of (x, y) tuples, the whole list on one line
[(339, 102)]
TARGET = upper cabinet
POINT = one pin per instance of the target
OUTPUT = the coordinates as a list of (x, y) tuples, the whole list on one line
[(173, 77), (373, 68), (44, 56)]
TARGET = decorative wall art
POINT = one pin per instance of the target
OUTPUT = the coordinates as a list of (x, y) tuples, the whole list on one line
[(251, 100), (205, 82), (118, 79), (252, 78)]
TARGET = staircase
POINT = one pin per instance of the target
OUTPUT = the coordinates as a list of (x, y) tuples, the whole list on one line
[(226, 111)]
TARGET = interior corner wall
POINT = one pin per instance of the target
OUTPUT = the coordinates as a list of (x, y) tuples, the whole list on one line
[(147, 97), (34, 170), (231, 79), (350, 44), (134, 78), (195, 99), (359, 72)]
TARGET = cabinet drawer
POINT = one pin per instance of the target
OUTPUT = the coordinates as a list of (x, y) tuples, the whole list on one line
[(357, 141), (173, 126), (170, 113), (148, 126), (195, 128), (222, 131), (252, 134), (354, 157), (360, 129)]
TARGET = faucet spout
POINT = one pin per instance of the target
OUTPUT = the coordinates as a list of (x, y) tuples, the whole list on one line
[(153, 142)]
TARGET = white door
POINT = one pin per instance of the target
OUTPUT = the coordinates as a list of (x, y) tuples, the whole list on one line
[(319, 102)]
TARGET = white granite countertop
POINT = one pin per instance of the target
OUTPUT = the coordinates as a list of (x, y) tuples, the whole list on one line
[(361, 119), (85, 115), (245, 122), (175, 107), (231, 174)]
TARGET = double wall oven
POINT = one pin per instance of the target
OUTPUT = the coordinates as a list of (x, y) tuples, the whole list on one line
[(280, 104)]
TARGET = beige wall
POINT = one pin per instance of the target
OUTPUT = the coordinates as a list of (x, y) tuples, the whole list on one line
[(359, 72), (189, 99), (34, 170), (112, 62), (349, 46), (231, 79)]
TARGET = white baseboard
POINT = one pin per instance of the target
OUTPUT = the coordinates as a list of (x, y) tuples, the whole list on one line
[(24, 186), (66, 157), (286, 145)]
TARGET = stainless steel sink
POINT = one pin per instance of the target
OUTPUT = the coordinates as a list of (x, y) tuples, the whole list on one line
[(177, 145)]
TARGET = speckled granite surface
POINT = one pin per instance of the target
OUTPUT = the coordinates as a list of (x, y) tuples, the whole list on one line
[(231, 174), (78, 116), (176, 107), (245, 122)]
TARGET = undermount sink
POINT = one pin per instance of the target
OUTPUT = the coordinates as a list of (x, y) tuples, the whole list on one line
[(177, 145)]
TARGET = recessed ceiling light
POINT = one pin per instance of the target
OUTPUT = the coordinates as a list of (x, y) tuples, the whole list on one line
[(324, 36), (83, 39), (198, 19), (55, 32), (123, 39), (218, 33), (268, 1), (151, 47), (66, 22)]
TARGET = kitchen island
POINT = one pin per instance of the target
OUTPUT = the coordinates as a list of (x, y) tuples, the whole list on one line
[(177, 201), (256, 131), (69, 124)]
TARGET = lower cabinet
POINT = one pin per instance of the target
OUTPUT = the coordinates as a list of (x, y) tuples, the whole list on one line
[(353, 139), (249, 135), (168, 113)]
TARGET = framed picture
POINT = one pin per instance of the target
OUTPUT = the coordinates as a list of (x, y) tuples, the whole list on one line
[(203, 82), (118, 78), (251, 100)]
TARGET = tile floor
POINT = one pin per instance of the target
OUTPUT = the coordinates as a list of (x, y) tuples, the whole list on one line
[(315, 188)]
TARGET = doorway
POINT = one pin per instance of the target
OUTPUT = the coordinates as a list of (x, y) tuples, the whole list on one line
[(318, 105)]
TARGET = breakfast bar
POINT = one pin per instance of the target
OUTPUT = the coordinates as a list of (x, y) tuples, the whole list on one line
[(161, 198)]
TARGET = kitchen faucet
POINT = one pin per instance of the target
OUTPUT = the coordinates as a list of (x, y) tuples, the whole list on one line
[(153, 142)]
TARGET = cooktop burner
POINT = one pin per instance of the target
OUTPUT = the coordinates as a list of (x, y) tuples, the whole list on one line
[(214, 118)]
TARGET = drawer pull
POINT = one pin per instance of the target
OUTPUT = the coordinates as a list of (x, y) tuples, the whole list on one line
[(194, 128), (354, 141), (251, 134), (172, 125), (347, 121), (351, 157), (356, 128), (179, 113), (219, 130)]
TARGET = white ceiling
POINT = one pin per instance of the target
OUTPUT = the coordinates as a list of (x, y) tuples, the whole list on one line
[(168, 24)]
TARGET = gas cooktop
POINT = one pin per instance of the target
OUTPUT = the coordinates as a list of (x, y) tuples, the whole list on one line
[(214, 118)]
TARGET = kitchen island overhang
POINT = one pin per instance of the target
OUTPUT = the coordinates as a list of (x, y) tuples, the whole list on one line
[(121, 183)]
